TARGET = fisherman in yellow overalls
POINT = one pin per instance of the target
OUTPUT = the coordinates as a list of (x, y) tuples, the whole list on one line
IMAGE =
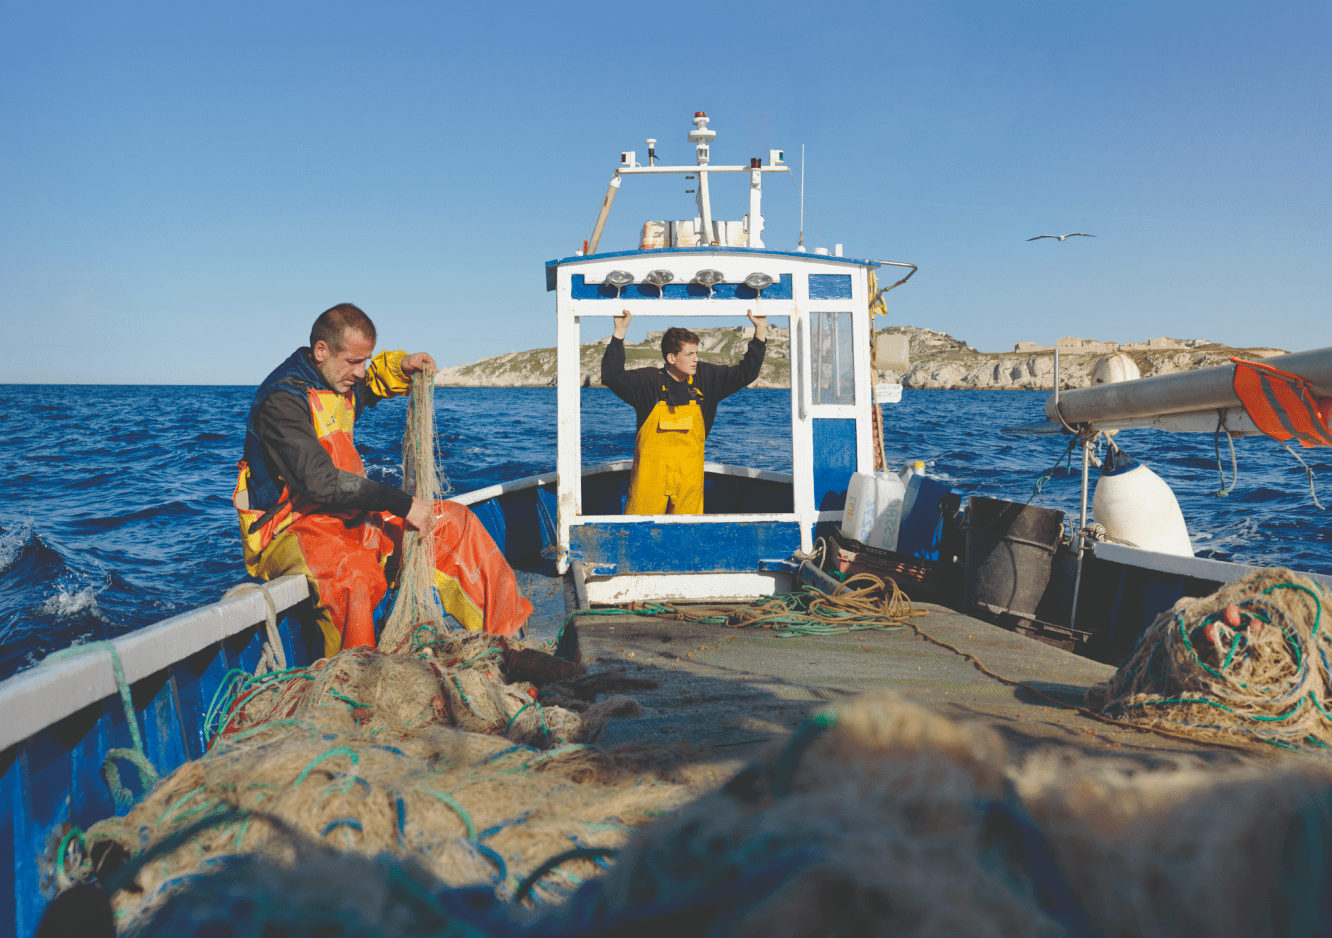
[(675, 406)]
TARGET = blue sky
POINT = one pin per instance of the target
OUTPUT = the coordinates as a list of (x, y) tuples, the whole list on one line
[(185, 186)]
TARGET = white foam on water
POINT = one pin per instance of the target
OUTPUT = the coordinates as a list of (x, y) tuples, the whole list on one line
[(11, 542), (65, 605), (1246, 530)]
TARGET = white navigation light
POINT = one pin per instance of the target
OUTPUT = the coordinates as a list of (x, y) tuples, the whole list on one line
[(700, 136), (701, 133), (619, 278), (709, 277), (659, 278), (758, 281)]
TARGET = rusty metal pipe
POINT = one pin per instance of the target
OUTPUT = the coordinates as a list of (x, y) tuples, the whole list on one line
[(606, 204)]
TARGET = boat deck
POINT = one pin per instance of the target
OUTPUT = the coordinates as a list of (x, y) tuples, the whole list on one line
[(733, 690)]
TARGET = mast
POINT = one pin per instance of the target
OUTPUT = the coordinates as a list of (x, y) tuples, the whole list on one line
[(800, 246), (701, 137)]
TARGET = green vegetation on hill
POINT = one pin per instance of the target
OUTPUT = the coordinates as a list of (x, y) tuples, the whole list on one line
[(938, 362)]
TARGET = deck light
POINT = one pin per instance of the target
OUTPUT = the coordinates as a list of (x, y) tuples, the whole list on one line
[(659, 279), (708, 278), (619, 278), (758, 281)]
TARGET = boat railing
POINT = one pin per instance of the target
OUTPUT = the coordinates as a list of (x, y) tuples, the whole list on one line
[(67, 716), (52, 690)]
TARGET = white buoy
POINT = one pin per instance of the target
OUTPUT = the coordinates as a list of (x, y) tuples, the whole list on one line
[(1112, 369), (1136, 505)]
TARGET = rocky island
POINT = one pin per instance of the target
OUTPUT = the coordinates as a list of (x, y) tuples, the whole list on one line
[(938, 361)]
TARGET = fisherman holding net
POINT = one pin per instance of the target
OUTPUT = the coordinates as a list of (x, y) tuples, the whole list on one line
[(675, 407), (306, 506)]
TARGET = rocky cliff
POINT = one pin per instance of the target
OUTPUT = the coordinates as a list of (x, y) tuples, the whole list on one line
[(941, 362), (536, 369), (938, 362)]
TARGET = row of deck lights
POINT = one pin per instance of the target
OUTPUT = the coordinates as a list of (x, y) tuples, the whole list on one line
[(619, 279)]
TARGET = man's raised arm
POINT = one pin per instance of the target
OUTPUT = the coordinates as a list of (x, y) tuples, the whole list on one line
[(612, 360)]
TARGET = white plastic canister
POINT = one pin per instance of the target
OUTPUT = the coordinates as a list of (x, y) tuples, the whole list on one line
[(873, 510), (1136, 505)]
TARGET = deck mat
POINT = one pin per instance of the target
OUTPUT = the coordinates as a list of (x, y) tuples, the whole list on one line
[(739, 688)]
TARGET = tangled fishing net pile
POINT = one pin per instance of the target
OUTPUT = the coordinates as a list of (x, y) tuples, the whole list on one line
[(877, 818), (454, 759), (1251, 661)]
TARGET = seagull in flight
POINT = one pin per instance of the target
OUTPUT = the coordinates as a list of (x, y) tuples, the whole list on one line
[(1071, 234)]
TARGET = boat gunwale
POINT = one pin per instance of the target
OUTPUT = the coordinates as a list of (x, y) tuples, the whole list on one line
[(477, 496), (35, 699)]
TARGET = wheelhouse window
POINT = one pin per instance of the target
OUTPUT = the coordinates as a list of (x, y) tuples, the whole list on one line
[(833, 358)]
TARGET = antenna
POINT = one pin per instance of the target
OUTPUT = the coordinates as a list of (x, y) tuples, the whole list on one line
[(801, 245)]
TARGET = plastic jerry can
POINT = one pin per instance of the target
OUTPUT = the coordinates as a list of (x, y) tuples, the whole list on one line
[(873, 510)]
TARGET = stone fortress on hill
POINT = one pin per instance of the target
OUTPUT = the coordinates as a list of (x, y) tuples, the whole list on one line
[(938, 361), (1072, 344)]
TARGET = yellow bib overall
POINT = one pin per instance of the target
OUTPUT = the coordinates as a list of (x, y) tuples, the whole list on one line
[(667, 477)]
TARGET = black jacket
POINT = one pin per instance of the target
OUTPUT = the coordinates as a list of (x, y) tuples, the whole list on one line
[(290, 451), (641, 388)]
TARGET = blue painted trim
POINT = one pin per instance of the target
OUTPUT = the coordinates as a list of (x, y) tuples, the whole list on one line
[(704, 252), (11, 824), (834, 460), (653, 547), (781, 290), (830, 286)]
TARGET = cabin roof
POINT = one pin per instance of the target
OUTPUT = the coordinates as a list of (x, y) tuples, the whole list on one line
[(716, 249)]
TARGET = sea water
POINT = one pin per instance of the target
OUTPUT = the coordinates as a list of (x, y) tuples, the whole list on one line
[(115, 502)]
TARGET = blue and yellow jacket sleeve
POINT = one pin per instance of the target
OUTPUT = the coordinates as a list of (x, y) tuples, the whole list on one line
[(384, 378)]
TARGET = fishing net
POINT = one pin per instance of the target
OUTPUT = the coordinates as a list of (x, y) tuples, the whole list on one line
[(877, 817), (893, 820), (1250, 661), (1189, 848), (416, 607), (432, 758), (473, 681)]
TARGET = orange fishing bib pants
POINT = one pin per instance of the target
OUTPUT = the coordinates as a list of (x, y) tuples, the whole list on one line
[(344, 554)]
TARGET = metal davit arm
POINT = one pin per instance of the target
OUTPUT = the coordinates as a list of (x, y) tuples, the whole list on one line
[(1206, 389)]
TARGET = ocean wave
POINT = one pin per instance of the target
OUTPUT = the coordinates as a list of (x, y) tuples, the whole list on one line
[(66, 605), (12, 544), (157, 513)]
